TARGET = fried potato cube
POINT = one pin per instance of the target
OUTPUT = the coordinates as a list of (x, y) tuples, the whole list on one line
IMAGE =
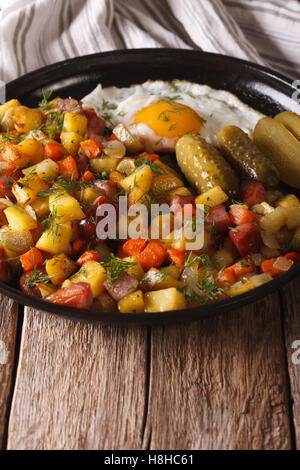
[(19, 219), (59, 268), (164, 300), (65, 207), (132, 303), (213, 197), (56, 239)]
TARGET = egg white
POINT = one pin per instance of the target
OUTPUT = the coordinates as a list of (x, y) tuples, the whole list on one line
[(218, 108)]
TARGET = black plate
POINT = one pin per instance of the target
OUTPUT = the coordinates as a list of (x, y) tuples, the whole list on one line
[(259, 87)]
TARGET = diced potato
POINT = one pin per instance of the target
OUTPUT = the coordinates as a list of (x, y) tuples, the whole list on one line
[(182, 191), (161, 226), (126, 166), (75, 123), (293, 217), (93, 273), (26, 119), (88, 195), (66, 283), (174, 271), (7, 122), (156, 279), (132, 303), (102, 164), (137, 196), (65, 207), (19, 219), (131, 143), (71, 142), (45, 289), (274, 221), (142, 178), (15, 242), (223, 258), (26, 189), (262, 209), (56, 239), (165, 183), (181, 243), (8, 105), (288, 201), (135, 271), (13, 157), (47, 170), (164, 300), (213, 197), (59, 268), (40, 206), (33, 149)]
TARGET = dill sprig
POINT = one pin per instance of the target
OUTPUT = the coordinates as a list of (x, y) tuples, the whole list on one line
[(8, 137), (38, 277), (70, 185), (116, 267), (44, 104), (154, 167)]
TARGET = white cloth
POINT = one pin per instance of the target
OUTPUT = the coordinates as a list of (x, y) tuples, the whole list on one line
[(35, 33)]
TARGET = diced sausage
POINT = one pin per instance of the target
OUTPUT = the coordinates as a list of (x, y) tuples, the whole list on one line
[(121, 287)]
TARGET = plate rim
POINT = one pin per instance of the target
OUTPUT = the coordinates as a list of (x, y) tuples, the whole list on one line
[(172, 316)]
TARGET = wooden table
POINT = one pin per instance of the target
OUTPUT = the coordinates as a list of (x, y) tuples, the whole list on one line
[(224, 383)]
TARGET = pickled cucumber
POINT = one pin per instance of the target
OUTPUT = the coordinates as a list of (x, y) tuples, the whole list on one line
[(204, 167), (245, 157), (291, 121), (279, 144)]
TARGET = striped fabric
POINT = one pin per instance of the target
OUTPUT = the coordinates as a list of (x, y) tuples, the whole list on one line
[(35, 33)]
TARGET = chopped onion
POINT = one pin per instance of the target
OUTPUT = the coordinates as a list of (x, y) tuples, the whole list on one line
[(31, 212), (269, 239), (283, 264), (6, 202), (260, 279), (114, 149)]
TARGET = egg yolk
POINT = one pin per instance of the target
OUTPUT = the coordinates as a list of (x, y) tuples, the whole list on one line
[(169, 119)]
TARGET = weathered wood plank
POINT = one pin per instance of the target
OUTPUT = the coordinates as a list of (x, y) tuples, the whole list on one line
[(220, 383), (79, 386), (291, 309), (8, 329)]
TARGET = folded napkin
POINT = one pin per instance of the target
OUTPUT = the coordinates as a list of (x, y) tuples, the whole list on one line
[(35, 33)]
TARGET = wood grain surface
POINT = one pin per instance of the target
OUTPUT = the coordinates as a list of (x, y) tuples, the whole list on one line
[(8, 328), (78, 386), (220, 383), (291, 308)]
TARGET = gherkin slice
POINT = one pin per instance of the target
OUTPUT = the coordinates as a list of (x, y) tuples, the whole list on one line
[(203, 165), (245, 157)]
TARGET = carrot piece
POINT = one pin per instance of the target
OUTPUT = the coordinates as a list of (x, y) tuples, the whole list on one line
[(77, 246), (242, 267), (152, 256), (241, 215), (134, 246), (31, 259), (87, 176), (150, 156), (54, 150), (267, 266), (88, 256), (90, 149), (112, 137), (176, 256), (226, 278), (68, 167)]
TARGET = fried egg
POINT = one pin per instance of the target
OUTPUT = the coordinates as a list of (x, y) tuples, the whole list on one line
[(158, 112)]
